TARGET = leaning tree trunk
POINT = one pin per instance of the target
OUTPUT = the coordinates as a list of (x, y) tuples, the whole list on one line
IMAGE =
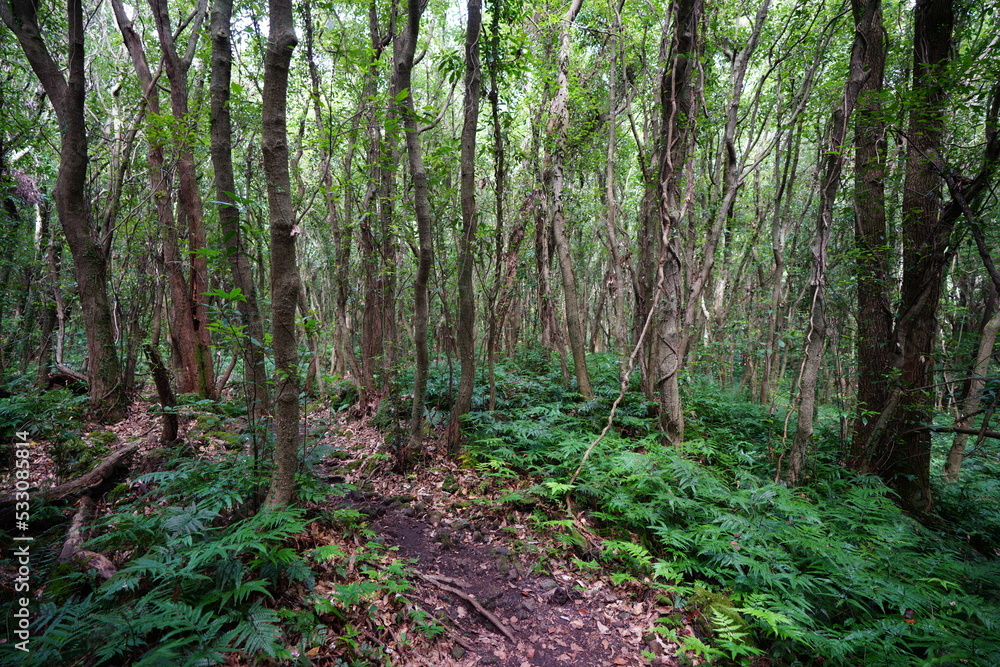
[(90, 261), (868, 21), (252, 341), (972, 401), (405, 49), (465, 338), (284, 268)]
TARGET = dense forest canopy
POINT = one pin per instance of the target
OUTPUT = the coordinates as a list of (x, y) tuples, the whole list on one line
[(790, 201)]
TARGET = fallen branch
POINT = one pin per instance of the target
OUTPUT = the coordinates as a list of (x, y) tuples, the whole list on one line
[(472, 601), (85, 485), (74, 535), (71, 551)]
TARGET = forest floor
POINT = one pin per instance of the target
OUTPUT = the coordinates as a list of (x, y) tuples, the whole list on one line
[(504, 588), (492, 575)]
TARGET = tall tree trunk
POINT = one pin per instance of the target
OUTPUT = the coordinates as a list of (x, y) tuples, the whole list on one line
[(619, 328), (555, 182), (375, 232), (899, 447), (90, 261), (343, 352), (189, 197), (252, 340), (184, 340), (868, 21), (665, 209), (499, 177), (404, 50), (871, 236), (466, 328), (284, 268)]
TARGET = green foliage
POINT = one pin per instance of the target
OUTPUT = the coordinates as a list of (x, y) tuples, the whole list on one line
[(76, 456), (198, 586), (821, 571), (42, 414)]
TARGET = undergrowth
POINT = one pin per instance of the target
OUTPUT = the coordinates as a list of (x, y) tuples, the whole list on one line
[(203, 575), (830, 571)]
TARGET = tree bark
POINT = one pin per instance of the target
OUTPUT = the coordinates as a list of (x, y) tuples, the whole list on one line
[(868, 21), (284, 268), (90, 261), (871, 237), (404, 49), (252, 340), (466, 328), (554, 177)]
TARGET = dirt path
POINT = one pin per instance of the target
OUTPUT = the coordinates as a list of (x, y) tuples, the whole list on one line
[(504, 592)]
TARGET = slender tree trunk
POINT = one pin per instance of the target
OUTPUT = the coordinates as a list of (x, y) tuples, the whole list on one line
[(973, 399), (189, 197), (51, 253), (376, 237), (615, 282), (343, 352), (499, 177), (466, 328), (555, 182), (90, 261), (183, 338), (867, 18), (284, 268), (404, 51), (678, 91), (252, 341)]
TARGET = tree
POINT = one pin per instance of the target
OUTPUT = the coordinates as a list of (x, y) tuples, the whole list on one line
[(252, 340), (90, 254), (284, 267), (192, 311), (555, 183), (465, 338), (404, 50), (868, 22), (898, 448), (666, 205)]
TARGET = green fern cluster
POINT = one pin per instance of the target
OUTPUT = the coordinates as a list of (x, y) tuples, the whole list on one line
[(833, 570), (198, 588)]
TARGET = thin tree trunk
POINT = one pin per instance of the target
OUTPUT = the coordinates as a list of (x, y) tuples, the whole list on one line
[(252, 341), (343, 352), (404, 51), (867, 19), (284, 268), (970, 406), (189, 197), (466, 327), (555, 182)]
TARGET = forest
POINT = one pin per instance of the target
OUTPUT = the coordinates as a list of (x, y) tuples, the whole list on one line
[(420, 332)]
